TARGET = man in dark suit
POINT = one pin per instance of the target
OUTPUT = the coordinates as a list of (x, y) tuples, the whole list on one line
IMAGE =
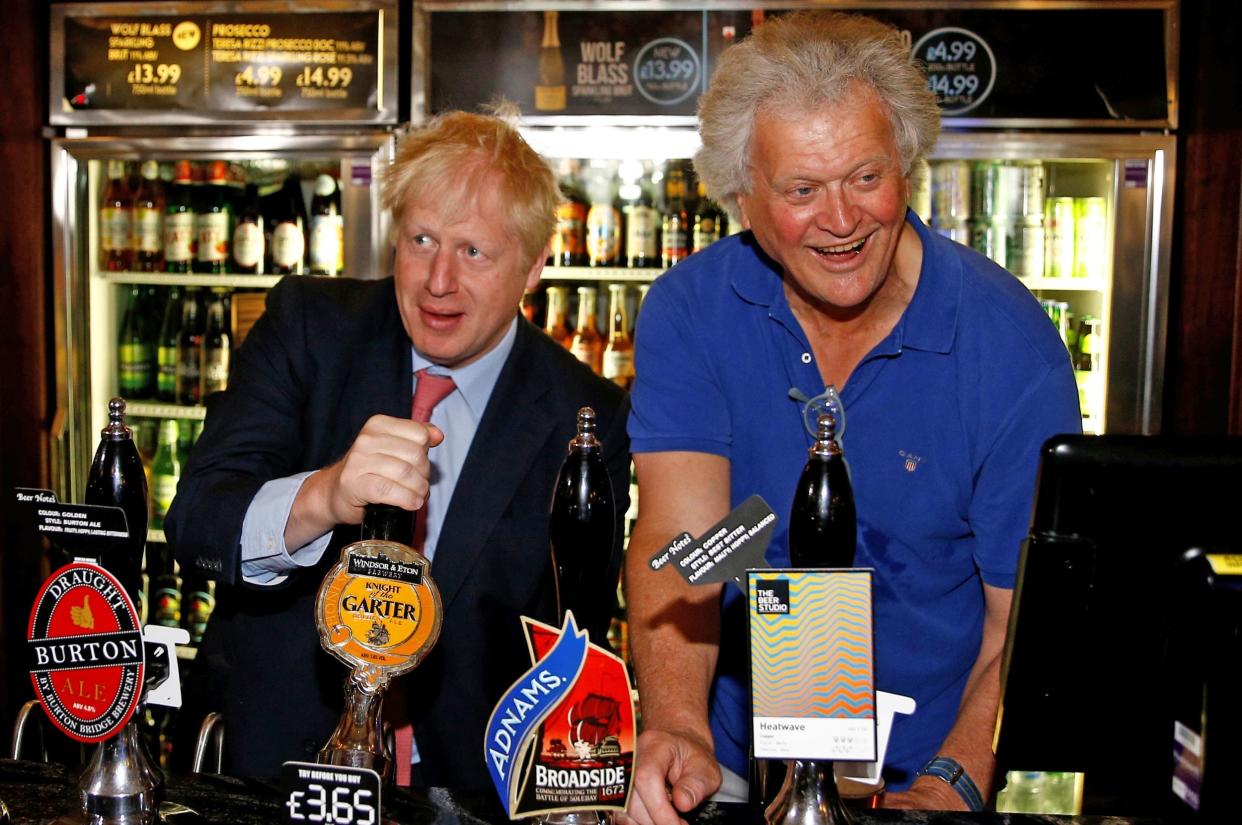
[(316, 424)]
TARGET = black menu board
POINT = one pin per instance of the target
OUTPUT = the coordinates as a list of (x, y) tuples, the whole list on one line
[(186, 62), (1101, 65)]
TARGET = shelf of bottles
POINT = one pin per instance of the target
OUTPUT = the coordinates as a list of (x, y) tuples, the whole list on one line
[(1047, 222), (173, 244)]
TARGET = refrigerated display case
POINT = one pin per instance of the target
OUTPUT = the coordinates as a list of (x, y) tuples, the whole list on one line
[(246, 93), (1099, 124)]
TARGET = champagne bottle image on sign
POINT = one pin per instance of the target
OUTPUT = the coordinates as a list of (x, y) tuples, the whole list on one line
[(116, 478), (327, 229), (550, 88), (822, 521), (582, 531)]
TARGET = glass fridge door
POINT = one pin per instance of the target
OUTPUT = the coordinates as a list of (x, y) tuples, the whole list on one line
[(163, 252)]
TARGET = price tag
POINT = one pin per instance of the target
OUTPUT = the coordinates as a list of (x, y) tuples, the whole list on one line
[(332, 794), (961, 68), (667, 71)]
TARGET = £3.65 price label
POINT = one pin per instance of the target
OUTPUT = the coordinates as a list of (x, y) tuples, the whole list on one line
[(330, 794), (961, 68)]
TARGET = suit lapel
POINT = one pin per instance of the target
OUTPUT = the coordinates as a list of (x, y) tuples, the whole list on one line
[(515, 428), (383, 376)]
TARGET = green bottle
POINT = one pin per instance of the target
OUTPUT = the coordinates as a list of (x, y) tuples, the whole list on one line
[(165, 472), (135, 379)]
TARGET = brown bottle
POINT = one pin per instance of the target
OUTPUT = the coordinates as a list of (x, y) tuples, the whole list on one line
[(588, 344), (116, 213), (557, 323), (675, 226), (148, 220), (618, 361)]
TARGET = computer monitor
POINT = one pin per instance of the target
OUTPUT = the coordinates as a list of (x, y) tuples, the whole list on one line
[(1103, 580)]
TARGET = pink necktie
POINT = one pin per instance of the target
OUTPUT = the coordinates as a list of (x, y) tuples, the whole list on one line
[(429, 390)]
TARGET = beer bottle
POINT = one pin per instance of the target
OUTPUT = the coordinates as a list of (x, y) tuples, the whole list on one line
[(822, 521), (550, 87), (166, 352), (134, 355), (327, 229), (587, 344), (212, 222), (618, 362), (165, 472), (288, 229), (556, 325), (217, 346), (116, 210), (569, 240), (674, 228), (179, 220), (249, 241), (148, 222), (582, 532), (604, 231), (190, 348), (642, 223), (166, 603), (198, 599), (708, 218), (116, 478)]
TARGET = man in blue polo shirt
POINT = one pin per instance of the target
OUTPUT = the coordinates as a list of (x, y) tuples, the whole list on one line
[(950, 374)]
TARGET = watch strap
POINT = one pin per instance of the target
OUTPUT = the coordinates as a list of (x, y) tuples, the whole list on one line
[(952, 772)]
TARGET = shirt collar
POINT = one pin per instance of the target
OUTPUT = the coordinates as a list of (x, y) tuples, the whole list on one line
[(476, 380), (928, 323)]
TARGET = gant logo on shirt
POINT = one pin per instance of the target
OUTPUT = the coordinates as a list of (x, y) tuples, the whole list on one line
[(911, 460)]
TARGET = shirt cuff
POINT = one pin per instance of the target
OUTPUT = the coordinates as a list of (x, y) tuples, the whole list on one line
[(265, 560)]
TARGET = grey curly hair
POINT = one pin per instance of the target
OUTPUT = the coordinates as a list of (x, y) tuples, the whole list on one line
[(800, 61)]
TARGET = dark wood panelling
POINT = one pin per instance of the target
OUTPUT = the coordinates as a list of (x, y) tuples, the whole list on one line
[(24, 378), (1203, 388)]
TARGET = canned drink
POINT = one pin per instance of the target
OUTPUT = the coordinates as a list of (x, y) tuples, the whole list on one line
[(1026, 249), (950, 192), (983, 187), (991, 238), (1063, 318), (1032, 183), (1059, 237), (1008, 201), (1090, 237), (956, 231)]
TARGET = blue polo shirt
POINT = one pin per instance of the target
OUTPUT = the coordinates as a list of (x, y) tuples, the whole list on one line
[(944, 421)]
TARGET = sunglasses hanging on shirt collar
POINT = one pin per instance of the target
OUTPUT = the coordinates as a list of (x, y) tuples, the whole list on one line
[(828, 401)]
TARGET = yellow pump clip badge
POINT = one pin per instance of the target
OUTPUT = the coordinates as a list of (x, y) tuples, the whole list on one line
[(378, 610)]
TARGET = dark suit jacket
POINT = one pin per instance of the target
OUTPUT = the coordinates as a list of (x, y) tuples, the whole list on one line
[(326, 356)]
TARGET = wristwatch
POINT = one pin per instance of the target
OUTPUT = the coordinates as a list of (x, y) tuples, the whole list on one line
[(952, 772)]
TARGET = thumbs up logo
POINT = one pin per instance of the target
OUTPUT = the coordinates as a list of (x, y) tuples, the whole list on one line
[(82, 616)]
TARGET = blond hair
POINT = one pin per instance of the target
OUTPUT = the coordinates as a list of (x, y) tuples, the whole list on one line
[(802, 61), (456, 155)]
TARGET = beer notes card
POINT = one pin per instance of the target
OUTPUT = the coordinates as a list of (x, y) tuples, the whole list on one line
[(812, 664)]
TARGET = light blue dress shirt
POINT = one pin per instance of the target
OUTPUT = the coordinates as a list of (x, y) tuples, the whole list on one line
[(265, 560)]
